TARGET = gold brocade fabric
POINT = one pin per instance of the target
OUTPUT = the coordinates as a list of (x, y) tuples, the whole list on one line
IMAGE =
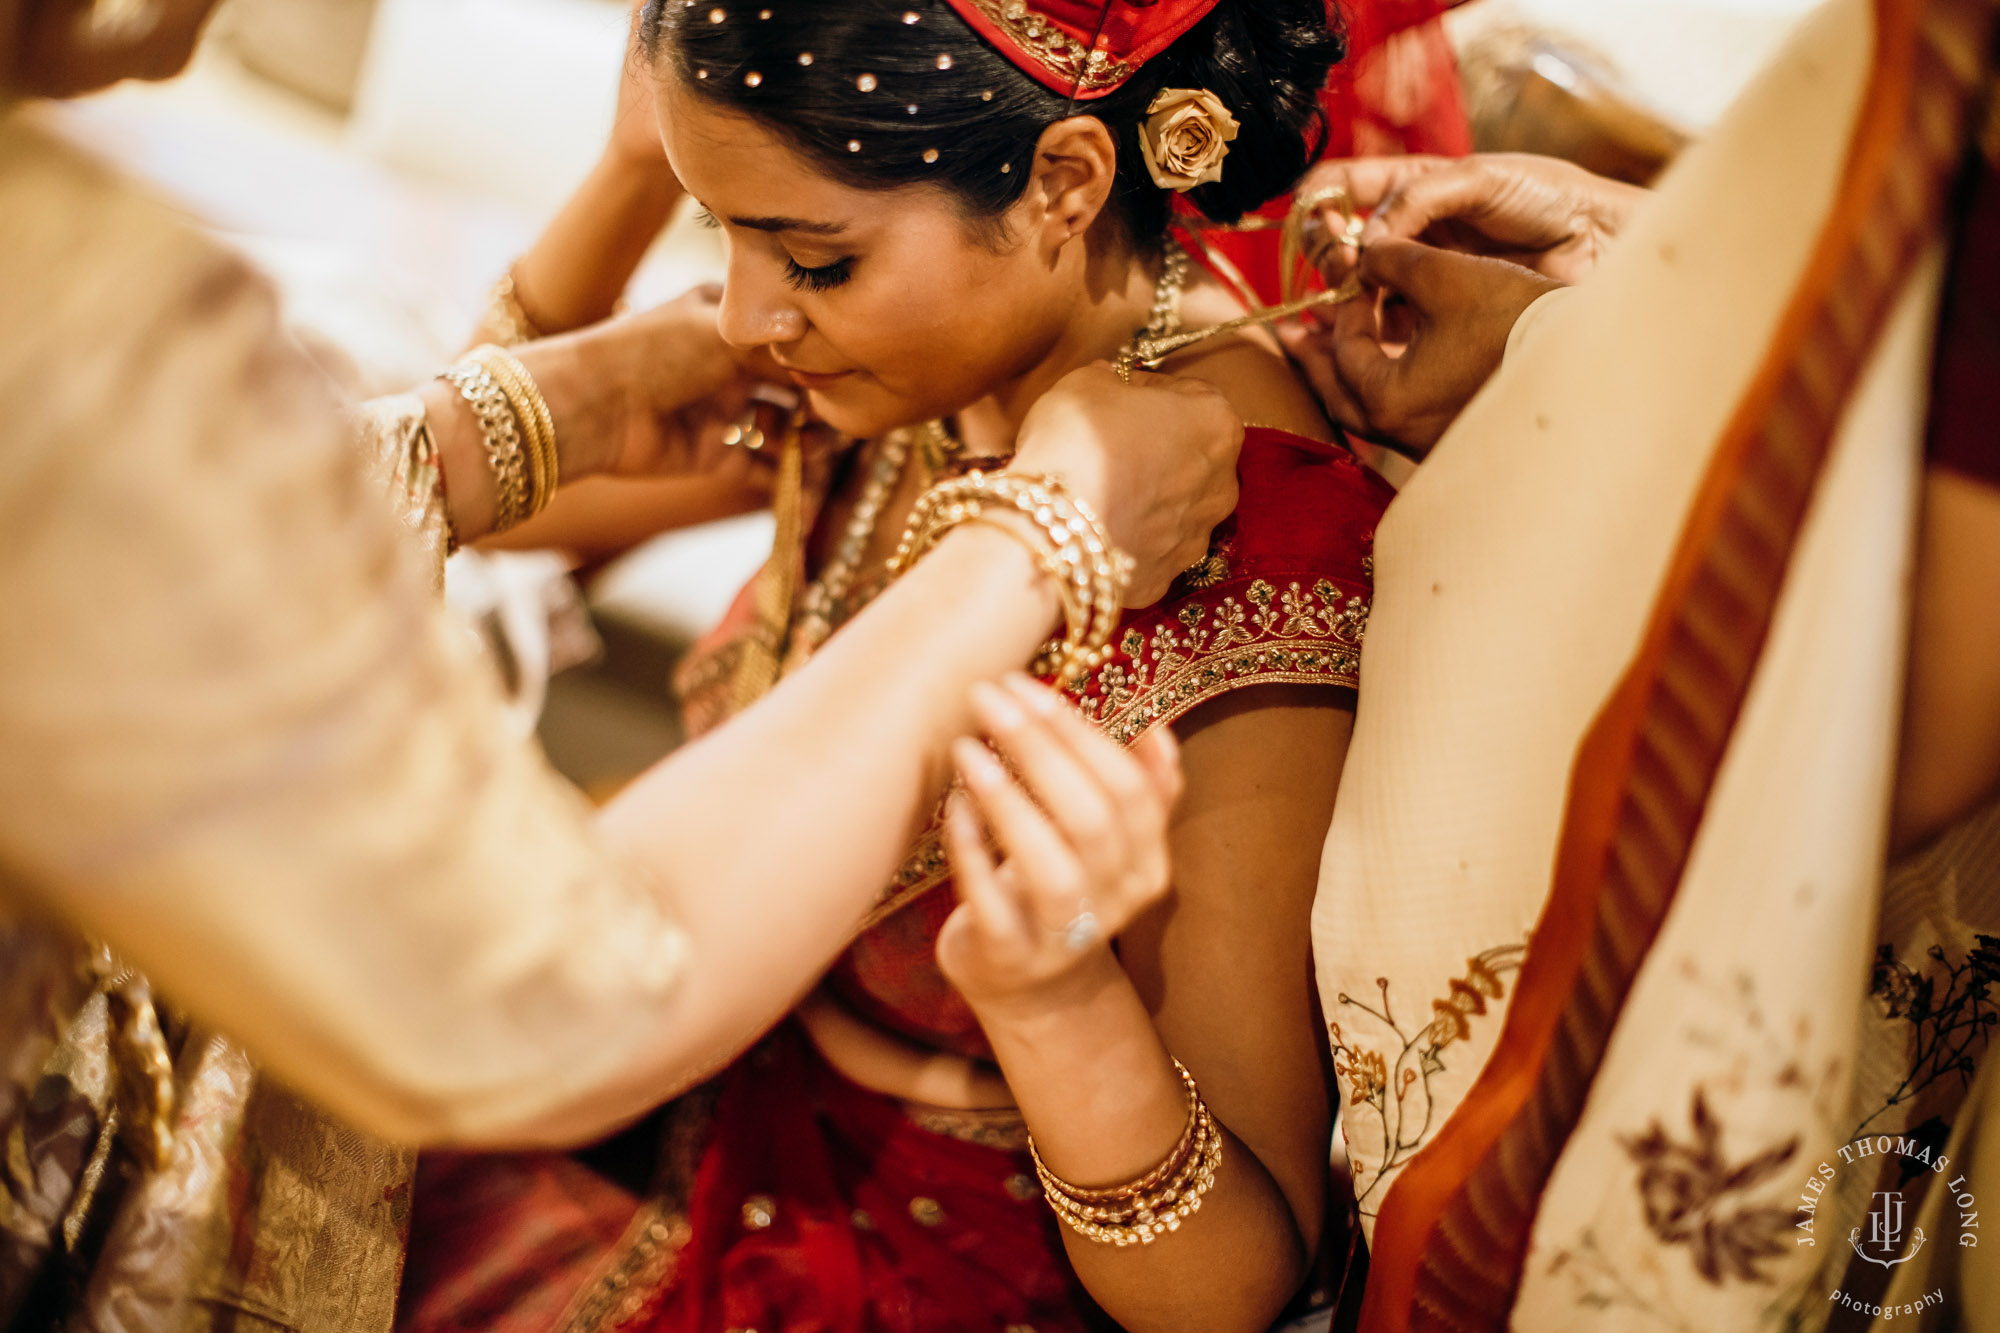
[(263, 1213)]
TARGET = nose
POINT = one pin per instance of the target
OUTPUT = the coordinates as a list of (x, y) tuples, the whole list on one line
[(757, 310)]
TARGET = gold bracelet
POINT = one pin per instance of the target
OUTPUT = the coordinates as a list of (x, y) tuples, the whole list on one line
[(531, 410), (1089, 572), (501, 432), (1156, 1203), (506, 321)]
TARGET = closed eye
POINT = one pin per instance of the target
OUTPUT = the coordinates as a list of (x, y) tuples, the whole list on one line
[(822, 279), (704, 218)]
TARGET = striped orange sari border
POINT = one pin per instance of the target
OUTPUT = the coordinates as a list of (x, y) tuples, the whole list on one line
[(1406, 1229)]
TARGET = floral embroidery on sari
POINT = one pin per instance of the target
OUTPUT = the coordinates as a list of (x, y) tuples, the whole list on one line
[(1392, 1092)]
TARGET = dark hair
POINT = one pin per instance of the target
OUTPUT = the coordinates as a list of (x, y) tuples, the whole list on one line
[(868, 88)]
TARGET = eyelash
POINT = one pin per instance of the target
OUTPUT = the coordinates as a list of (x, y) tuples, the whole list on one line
[(822, 279)]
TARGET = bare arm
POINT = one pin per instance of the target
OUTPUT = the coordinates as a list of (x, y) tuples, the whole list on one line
[(579, 266), (1220, 978), (1951, 721), (600, 517)]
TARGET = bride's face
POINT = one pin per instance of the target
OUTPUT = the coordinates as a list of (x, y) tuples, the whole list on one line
[(887, 307)]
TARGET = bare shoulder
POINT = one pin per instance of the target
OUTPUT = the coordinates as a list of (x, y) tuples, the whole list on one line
[(1247, 366)]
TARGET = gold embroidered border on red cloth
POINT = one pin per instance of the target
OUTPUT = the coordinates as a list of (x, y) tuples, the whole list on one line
[(1177, 656), (1036, 36)]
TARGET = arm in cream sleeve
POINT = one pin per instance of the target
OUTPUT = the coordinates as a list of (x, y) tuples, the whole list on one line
[(242, 743)]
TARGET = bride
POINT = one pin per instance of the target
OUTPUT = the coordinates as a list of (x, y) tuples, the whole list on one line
[(933, 211)]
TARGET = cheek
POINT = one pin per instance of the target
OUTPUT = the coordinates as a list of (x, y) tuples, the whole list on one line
[(940, 336)]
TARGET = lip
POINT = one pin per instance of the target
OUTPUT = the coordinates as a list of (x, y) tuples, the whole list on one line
[(817, 379)]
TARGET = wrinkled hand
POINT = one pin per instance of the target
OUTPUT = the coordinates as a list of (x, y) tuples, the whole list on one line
[(1083, 841), (1539, 212), (1156, 460), (1451, 315)]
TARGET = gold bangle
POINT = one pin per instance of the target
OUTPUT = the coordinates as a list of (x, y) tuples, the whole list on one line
[(501, 432), (1090, 573), (1155, 1204), (524, 396)]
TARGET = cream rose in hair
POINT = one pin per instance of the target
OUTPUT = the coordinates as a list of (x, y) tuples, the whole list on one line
[(1185, 137)]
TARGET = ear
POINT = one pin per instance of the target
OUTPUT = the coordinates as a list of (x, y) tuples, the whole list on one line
[(1076, 164)]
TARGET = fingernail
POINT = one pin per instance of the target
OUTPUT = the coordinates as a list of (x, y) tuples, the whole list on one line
[(996, 709), (1034, 694), (976, 763)]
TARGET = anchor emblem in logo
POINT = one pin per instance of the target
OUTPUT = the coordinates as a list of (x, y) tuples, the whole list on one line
[(1885, 1232)]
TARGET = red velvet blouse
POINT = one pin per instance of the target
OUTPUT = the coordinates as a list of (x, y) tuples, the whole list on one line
[(1282, 598)]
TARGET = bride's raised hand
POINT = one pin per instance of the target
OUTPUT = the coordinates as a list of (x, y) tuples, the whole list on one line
[(1083, 845)]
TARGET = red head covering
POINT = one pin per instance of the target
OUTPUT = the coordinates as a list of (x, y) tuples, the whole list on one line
[(1082, 48)]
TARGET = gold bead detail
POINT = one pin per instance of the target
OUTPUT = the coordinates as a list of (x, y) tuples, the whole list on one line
[(752, 79), (1006, 167), (867, 83), (805, 57), (986, 96), (910, 16), (701, 74), (759, 1212), (854, 145), (944, 61), (930, 154), (717, 15)]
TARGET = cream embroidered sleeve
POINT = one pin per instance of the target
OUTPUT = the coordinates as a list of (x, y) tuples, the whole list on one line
[(240, 738)]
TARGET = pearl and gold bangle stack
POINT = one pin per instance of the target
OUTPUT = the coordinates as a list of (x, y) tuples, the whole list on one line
[(518, 431), (1073, 549), (1158, 1202)]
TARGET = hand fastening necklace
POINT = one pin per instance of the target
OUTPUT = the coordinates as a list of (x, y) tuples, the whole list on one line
[(824, 604)]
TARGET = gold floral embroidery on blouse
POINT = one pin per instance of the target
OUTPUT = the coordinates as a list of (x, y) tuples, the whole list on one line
[(1166, 668)]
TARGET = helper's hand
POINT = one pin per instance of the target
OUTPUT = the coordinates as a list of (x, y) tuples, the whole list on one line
[(1156, 460), (646, 395), (1451, 313), (1540, 212), (1083, 842)]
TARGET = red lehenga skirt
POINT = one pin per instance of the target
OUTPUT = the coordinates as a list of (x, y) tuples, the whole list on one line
[(793, 1201)]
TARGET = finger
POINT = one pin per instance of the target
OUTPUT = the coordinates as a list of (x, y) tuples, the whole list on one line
[(1079, 800), (1159, 753), (1366, 371), (1453, 191), (1053, 876), (1310, 350), (995, 911), (1407, 268), (1368, 180), (1115, 771), (1137, 808)]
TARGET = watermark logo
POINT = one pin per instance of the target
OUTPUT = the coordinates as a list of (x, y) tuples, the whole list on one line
[(1885, 1242), (1887, 1236)]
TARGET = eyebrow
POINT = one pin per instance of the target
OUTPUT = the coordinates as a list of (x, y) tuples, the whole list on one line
[(791, 224)]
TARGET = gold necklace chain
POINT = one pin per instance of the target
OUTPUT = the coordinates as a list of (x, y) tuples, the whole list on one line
[(824, 601)]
